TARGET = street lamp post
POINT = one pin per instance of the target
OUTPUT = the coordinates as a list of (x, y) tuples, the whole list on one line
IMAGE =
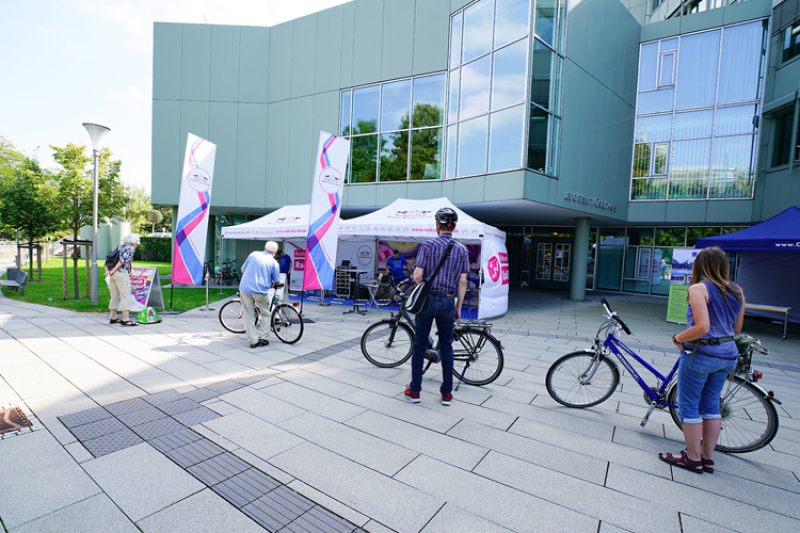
[(96, 132)]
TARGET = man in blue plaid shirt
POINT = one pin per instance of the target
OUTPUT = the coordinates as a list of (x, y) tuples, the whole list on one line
[(439, 306)]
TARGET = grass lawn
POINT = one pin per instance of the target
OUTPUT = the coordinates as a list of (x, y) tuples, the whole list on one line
[(49, 291)]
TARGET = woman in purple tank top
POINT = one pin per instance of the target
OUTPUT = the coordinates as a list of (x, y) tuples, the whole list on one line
[(716, 313)]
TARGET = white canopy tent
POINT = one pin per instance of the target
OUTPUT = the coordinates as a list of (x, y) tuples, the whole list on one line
[(413, 220), (288, 222)]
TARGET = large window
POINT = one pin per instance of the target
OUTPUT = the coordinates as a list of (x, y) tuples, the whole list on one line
[(395, 129), (486, 93), (791, 42), (696, 115)]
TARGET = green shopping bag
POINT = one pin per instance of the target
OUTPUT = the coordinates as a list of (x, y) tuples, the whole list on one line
[(148, 316)]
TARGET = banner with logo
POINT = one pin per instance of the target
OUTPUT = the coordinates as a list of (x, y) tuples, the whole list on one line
[(190, 233), (494, 291), (326, 198), (298, 256)]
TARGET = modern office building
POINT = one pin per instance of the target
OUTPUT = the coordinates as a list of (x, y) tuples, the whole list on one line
[(598, 140)]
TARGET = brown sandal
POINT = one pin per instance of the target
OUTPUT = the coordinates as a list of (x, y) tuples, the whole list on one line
[(683, 462)]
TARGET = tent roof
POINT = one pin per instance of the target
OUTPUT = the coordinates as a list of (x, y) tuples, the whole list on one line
[(413, 220), (780, 233), (288, 222)]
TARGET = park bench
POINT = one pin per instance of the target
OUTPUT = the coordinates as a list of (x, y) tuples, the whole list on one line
[(15, 278)]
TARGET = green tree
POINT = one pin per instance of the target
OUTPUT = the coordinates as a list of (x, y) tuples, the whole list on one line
[(10, 158), (76, 190), (137, 206), (166, 217), (154, 217), (28, 203)]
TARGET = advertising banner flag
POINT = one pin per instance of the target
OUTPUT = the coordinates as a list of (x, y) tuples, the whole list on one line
[(190, 234), (681, 275), (494, 290), (326, 198)]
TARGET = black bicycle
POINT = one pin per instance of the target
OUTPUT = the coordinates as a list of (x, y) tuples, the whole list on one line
[(284, 318), (477, 354)]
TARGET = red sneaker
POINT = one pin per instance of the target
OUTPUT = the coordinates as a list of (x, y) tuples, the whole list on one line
[(446, 399), (412, 397)]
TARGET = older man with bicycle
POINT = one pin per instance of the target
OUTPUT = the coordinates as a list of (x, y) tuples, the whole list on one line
[(259, 272), (452, 261)]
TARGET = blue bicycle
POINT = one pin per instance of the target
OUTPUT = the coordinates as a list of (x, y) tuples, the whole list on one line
[(589, 377)]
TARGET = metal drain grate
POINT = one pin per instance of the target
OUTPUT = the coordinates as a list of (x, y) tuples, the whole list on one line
[(12, 419)]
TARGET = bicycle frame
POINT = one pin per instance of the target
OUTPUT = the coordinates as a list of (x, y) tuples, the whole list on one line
[(612, 343)]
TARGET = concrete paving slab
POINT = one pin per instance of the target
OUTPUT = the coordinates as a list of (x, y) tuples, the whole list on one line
[(497, 502), (46, 479), (366, 491), (358, 446), (204, 512), (259, 404), (253, 434), (141, 481), (97, 514), (453, 519), (316, 402)]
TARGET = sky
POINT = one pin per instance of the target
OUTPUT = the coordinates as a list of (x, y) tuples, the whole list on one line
[(66, 62)]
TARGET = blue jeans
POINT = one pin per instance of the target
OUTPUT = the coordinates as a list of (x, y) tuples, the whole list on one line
[(700, 382), (440, 307)]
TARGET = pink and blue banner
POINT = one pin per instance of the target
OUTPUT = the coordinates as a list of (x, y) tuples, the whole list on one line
[(192, 225), (326, 198)]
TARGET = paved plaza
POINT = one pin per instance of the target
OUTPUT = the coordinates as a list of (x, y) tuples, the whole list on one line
[(181, 427)]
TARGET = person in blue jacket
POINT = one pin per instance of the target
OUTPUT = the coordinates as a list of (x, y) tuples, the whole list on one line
[(397, 266)]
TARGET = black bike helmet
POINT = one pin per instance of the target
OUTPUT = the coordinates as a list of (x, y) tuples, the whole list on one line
[(447, 217)]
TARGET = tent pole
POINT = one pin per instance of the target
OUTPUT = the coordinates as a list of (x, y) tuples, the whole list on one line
[(221, 255), (480, 278)]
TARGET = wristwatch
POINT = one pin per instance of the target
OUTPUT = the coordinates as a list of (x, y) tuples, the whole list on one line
[(675, 340)]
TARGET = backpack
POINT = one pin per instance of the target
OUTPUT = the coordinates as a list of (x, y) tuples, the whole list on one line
[(112, 258)]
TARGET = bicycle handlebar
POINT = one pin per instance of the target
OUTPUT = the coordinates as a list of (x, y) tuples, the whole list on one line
[(614, 316)]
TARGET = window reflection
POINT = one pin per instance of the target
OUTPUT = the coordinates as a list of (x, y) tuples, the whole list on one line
[(656, 101), (475, 88), (394, 105), (693, 124), (697, 69), (732, 167), (510, 21), (472, 146), (537, 139), (426, 154), (546, 20), (653, 128), (452, 139), (455, 39), (344, 117), (365, 109), (740, 63), (364, 159), (731, 120), (394, 156), (641, 160), (508, 75), (452, 96), (506, 135), (477, 30), (540, 74), (428, 93), (649, 189), (648, 66)]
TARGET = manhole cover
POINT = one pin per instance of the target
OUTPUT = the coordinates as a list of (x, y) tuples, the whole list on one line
[(12, 419)]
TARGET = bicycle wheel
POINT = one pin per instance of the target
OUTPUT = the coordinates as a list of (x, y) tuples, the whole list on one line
[(481, 352), (231, 316), (387, 343), (287, 323), (578, 379), (749, 420)]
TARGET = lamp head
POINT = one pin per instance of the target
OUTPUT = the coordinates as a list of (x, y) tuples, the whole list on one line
[(96, 132)]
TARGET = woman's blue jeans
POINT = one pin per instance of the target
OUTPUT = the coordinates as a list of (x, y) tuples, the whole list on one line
[(441, 308), (700, 382)]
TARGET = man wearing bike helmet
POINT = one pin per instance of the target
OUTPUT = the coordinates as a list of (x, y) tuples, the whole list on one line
[(450, 281), (259, 272)]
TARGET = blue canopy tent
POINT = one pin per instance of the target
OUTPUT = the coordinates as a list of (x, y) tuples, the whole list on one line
[(769, 261)]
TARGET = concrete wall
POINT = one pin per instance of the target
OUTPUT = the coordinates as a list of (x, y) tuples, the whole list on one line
[(599, 99), (263, 94)]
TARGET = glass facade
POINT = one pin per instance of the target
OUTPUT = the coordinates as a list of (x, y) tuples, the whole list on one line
[(395, 129), (487, 73), (697, 114)]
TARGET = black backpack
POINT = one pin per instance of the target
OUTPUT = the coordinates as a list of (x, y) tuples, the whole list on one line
[(112, 258)]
